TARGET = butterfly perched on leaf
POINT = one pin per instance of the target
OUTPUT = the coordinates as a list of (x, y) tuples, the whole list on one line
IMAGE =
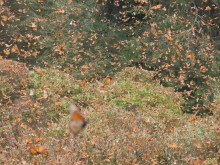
[(77, 121)]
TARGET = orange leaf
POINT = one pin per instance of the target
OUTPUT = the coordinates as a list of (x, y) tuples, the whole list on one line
[(108, 80), (66, 70), (174, 146), (6, 51), (156, 7), (193, 118), (4, 18), (197, 161), (126, 19), (38, 139), (57, 149), (33, 150), (36, 163), (169, 38), (208, 8), (15, 49), (190, 55), (84, 67), (82, 83), (203, 69), (180, 47), (34, 26), (29, 141), (97, 10), (40, 149), (69, 1), (45, 154), (75, 40)]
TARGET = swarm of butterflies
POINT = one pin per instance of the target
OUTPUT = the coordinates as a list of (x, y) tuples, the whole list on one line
[(77, 121)]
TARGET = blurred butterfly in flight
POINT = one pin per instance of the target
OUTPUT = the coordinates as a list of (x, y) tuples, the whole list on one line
[(77, 121)]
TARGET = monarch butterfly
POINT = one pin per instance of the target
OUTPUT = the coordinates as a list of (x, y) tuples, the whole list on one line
[(77, 121)]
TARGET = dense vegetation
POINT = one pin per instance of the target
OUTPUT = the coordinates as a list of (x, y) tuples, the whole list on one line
[(93, 39), (75, 49), (133, 121)]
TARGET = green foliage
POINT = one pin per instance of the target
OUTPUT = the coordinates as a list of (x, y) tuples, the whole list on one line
[(140, 95), (52, 79)]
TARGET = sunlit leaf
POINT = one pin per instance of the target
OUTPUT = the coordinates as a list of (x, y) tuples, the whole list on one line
[(156, 7), (4, 18)]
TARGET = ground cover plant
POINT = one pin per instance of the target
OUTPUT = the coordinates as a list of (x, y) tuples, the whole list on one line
[(144, 73), (132, 120)]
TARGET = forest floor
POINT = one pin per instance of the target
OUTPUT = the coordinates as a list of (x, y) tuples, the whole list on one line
[(132, 119)]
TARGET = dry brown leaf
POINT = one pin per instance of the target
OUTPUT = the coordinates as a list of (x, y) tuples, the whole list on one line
[(197, 161), (193, 118), (36, 163), (82, 83), (58, 148), (67, 149), (84, 67), (197, 145)]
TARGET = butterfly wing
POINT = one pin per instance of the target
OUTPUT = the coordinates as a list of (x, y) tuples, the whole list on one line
[(77, 121), (73, 107)]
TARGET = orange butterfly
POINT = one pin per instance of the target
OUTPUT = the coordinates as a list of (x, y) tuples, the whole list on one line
[(77, 121)]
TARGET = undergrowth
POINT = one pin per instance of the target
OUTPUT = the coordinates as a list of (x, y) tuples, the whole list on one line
[(133, 120)]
